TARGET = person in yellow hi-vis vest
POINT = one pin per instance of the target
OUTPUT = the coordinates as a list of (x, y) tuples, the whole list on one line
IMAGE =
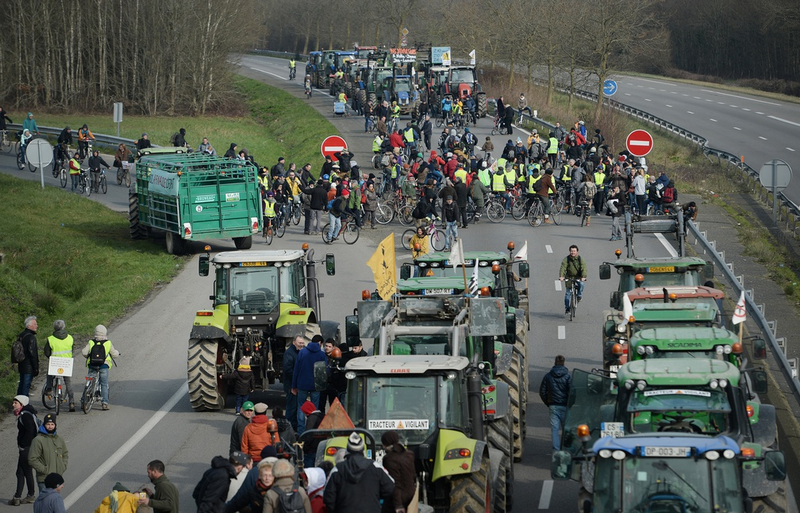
[(74, 171), (99, 366), (60, 345)]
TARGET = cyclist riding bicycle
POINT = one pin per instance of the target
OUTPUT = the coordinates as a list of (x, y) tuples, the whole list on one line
[(99, 353), (84, 135), (64, 141), (573, 268), (95, 161), (23, 142), (60, 345), (269, 210)]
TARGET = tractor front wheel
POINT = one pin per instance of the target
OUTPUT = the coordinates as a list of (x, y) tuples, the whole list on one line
[(472, 493), (206, 390)]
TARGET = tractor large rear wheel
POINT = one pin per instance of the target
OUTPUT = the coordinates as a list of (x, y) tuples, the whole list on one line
[(372, 98), (483, 107), (472, 493), (513, 377), (500, 437), (206, 390)]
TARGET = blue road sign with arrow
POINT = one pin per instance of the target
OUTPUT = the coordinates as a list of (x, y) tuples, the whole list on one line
[(609, 87)]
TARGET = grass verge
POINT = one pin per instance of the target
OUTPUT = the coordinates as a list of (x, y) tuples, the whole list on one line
[(273, 124)]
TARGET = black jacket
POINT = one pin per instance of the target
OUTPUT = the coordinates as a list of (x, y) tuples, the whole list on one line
[(289, 359), (30, 365), (65, 137), (399, 463), (554, 389), (451, 212), (26, 426), (96, 162), (344, 160), (461, 194), (357, 485), (143, 143), (319, 196), (212, 490)]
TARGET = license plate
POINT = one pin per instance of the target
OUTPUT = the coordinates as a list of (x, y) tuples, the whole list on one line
[(667, 452), (438, 292), (613, 368), (661, 269), (612, 429)]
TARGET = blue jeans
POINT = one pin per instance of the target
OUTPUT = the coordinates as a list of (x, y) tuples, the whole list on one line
[(302, 395), (568, 294), (558, 415), (24, 387), (103, 372), (336, 225), (451, 234), (240, 400)]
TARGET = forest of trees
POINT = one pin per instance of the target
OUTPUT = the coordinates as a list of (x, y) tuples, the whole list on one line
[(177, 57)]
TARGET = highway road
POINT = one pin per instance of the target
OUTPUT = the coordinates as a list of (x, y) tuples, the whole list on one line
[(151, 417)]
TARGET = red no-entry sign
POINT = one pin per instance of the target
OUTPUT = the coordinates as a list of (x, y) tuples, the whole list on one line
[(331, 145), (639, 143)]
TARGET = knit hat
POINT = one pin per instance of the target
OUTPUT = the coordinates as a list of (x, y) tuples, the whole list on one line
[(245, 360), (53, 480), (22, 399), (240, 458), (308, 408), (389, 438), (261, 409), (355, 443), (269, 451), (100, 332), (119, 487), (345, 192), (283, 468), (49, 418)]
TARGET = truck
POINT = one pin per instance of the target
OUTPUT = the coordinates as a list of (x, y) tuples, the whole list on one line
[(261, 300), (194, 197), (669, 306), (678, 472), (707, 397)]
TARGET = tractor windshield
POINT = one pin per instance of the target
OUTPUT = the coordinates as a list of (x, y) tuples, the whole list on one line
[(462, 76), (667, 484), (402, 84), (252, 289), (703, 411), (421, 344), (412, 405)]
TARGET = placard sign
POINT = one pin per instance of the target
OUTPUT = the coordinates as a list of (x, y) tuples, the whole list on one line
[(60, 366)]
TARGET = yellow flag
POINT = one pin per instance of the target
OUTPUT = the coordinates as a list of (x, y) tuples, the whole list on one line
[(382, 264)]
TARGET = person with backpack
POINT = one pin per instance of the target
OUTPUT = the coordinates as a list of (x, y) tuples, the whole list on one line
[(210, 493), (357, 484), (25, 353), (286, 494), (48, 451), (586, 193), (27, 427), (99, 353)]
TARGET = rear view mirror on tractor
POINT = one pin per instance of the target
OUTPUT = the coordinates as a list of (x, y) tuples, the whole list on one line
[(759, 349), (330, 264), (605, 272), (405, 271), (760, 383), (203, 265), (775, 465), (524, 270)]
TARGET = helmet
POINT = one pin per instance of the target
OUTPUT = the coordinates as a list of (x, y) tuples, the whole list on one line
[(336, 353), (325, 177), (466, 130), (272, 426)]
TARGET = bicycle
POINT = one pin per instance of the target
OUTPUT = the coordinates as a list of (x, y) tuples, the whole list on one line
[(536, 212), (437, 235), (60, 164), (98, 183), (280, 222), (372, 124), (349, 231), (292, 73), (91, 393), (5, 143), (53, 397), (295, 212), (573, 297), (584, 206), (124, 174), (499, 127), (83, 184), (269, 230)]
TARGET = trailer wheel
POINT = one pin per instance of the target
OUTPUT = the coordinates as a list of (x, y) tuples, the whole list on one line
[(500, 437), (483, 107), (472, 493), (137, 230), (243, 242), (206, 390), (175, 244)]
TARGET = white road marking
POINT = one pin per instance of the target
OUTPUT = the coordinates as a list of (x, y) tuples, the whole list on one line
[(668, 105), (558, 286), (673, 253), (745, 109), (268, 73), (757, 112), (684, 94), (776, 118), (689, 112), (712, 119), (721, 103), (547, 494), (627, 94), (648, 100), (696, 97), (548, 248), (737, 128), (762, 138), (740, 97), (709, 100), (129, 444), (733, 106), (790, 149), (562, 332)]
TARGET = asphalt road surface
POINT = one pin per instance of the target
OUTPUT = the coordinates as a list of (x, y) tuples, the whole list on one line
[(150, 416)]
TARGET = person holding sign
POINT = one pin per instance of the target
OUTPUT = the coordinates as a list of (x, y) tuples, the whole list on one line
[(60, 345)]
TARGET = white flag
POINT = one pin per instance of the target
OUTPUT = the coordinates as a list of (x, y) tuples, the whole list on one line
[(523, 253), (457, 254), (473, 281), (740, 313), (627, 309), (472, 58)]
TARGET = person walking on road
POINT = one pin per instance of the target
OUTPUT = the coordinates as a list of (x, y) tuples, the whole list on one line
[(289, 361), (256, 435), (210, 493), (99, 353), (60, 345), (48, 451), (241, 422), (50, 499), (285, 485), (29, 366), (165, 498), (554, 392), (357, 484), (303, 378), (27, 427), (399, 463)]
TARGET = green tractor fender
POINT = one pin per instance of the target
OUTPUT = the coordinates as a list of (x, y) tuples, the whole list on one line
[(211, 324), (293, 320), (765, 428), (457, 454)]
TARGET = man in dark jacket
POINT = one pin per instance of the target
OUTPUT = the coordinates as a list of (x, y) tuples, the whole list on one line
[(165, 498), (289, 360), (399, 463), (554, 392), (427, 131), (357, 484), (241, 422), (303, 377), (26, 432), (29, 367), (143, 143), (319, 199), (212, 490), (461, 199)]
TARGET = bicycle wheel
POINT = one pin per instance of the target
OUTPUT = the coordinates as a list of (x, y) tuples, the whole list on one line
[(405, 239), (470, 212), (89, 187), (376, 161), (518, 209), (297, 213), (536, 215), (31, 168), (438, 240), (268, 236), (496, 212), (384, 213), (119, 175), (583, 216), (20, 161), (58, 394), (325, 238), (494, 131), (439, 122), (87, 398), (405, 217), (48, 399), (127, 179), (573, 303), (555, 214), (62, 175), (351, 232), (280, 227), (103, 184)]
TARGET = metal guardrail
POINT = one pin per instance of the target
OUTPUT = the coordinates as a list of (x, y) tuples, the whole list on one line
[(106, 141)]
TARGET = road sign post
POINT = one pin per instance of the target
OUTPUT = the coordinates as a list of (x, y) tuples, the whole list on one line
[(331, 145), (775, 174), (39, 153), (639, 143), (118, 115), (609, 87)]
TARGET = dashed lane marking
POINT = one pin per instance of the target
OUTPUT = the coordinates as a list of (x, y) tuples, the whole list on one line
[(562, 332), (548, 248), (558, 286), (776, 118), (268, 73), (740, 97), (547, 494), (667, 245)]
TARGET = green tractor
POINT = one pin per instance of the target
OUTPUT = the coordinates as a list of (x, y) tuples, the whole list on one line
[(666, 396), (687, 342), (678, 472), (261, 301), (656, 307)]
